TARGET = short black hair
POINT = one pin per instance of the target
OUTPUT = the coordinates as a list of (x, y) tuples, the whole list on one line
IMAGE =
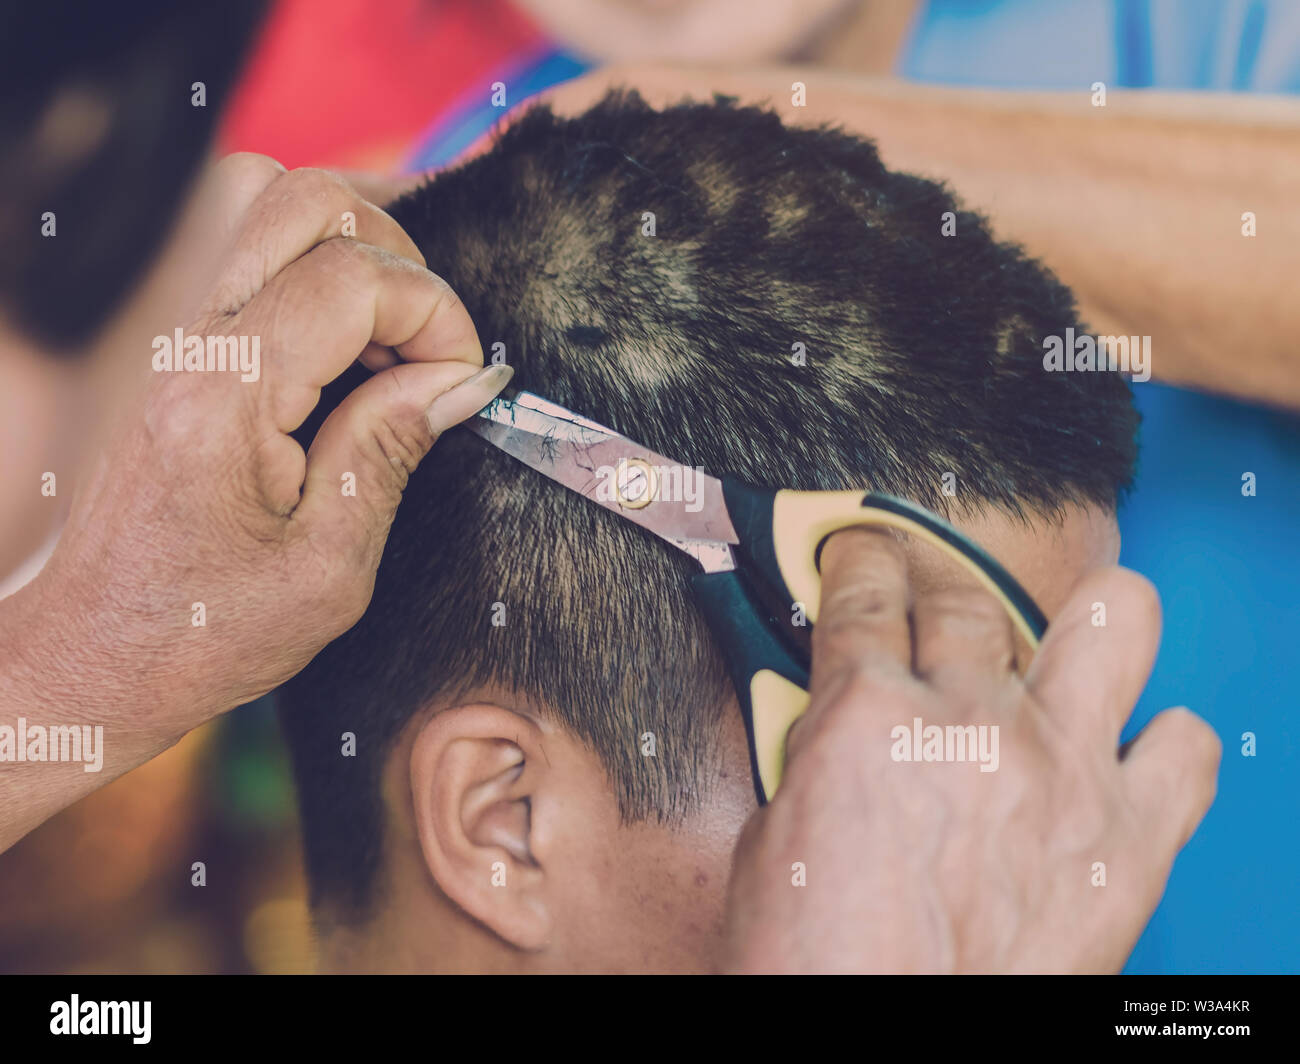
[(923, 356)]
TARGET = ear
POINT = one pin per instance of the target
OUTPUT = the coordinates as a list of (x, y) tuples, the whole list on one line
[(476, 771)]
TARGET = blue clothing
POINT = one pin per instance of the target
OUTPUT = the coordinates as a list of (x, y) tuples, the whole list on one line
[(1220, 45), (474, 116)]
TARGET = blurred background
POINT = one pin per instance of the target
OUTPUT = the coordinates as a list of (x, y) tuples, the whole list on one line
[(403, 86)]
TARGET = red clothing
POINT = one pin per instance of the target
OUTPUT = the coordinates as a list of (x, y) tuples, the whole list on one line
[(351, 83)]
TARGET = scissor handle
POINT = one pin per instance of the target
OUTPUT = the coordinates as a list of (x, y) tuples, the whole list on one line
[(771, 682), (781, 533)]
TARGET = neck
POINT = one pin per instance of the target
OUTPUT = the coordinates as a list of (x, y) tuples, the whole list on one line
[(424, 934), (865, 38)]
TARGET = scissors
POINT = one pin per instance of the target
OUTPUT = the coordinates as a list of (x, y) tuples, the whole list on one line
[(757, 549)]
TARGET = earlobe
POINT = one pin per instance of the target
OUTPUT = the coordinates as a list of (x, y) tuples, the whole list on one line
[(474, 771)]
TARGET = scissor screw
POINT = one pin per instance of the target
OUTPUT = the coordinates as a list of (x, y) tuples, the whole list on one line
[(635, 483)]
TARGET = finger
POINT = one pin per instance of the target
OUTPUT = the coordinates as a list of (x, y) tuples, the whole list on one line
[(963, 639), (232, 185), (319, 314), (295, 212), (1098, 652), (380, 188), (376, 357), (194, 258), (863, 613), (1171, 771), (374, 439)]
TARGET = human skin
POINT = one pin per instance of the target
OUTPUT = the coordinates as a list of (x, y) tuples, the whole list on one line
[(715, 31), (35, 435), (490, 779), (1055, 864), (63, 645), (98, 636), (201, 496)]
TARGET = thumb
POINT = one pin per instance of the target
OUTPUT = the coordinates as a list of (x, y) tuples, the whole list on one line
[(371, 443)]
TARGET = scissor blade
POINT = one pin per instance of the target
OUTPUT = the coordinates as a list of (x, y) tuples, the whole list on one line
[(596, 462)]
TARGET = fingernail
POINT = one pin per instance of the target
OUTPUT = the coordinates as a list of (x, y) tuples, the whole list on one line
[(468, 397)]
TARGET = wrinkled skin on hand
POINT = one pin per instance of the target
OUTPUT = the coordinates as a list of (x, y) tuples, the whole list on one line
[(938, 867), (203, 497)]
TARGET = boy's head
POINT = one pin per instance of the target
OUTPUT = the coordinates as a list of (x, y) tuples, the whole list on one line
[(548, 769)]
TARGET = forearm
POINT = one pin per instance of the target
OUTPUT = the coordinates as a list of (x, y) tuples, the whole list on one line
[(63, 676), (1137, 205)]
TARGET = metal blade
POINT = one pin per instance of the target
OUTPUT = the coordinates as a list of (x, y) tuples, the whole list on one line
[(678, 503)]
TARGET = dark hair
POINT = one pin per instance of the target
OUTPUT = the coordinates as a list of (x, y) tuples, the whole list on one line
[(923, 357), (131, 67)]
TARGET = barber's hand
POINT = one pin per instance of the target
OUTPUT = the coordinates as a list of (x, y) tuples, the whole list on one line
[(205, 499), (939, 867)]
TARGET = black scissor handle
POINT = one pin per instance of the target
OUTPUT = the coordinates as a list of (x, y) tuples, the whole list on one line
[(771, 682), (781, 533)]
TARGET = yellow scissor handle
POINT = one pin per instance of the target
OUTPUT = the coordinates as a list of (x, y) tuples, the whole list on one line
[(780, 535), (801, 521)]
